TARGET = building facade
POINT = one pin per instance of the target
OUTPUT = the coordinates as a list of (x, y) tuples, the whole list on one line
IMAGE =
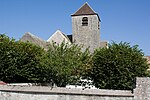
[(85, 31), (86, 28)]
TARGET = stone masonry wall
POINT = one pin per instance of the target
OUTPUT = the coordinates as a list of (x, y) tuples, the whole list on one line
[(88, 36), (141, 92), (46, 93)]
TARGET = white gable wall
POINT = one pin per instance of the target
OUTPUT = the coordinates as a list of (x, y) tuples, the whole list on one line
[(58, 37)]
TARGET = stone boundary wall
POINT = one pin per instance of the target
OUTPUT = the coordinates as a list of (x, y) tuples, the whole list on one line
[(141, 92), (47, 93)]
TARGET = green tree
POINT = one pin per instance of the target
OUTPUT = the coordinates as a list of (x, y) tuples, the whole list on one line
[(19, 61), (116, 67), (65, 64)]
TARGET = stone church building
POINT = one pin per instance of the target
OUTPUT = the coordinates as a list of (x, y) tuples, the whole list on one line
[(85, 31)]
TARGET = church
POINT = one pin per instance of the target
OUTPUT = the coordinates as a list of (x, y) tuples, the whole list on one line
[(85, 31)]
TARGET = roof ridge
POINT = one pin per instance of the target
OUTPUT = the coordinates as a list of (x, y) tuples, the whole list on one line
[(66, 36), (90, 7), (34, 36)]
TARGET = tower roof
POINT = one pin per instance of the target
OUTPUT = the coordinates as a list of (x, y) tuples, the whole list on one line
[(85, 10)]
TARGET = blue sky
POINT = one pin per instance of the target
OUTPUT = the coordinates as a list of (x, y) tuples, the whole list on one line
[(122, 20)]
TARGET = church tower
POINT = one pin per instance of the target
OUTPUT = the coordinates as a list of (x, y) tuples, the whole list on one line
[(86, 28)]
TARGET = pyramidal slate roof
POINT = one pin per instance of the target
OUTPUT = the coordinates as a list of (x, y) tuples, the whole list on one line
[(85, 10), (34, 39)]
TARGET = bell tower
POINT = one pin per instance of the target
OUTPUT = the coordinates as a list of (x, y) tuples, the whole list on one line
[(86, 28)]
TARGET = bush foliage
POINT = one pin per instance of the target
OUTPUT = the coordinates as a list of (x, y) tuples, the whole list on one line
[(19, 61), (25, 62), (116, 67), (65, 63)]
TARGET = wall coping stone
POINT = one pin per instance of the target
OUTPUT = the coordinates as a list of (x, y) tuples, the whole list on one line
[(66, 91)]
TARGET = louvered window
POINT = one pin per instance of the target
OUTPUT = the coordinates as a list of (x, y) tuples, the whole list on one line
[(84, 21)]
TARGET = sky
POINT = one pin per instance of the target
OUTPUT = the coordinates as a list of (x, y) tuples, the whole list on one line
[(121, 20)]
